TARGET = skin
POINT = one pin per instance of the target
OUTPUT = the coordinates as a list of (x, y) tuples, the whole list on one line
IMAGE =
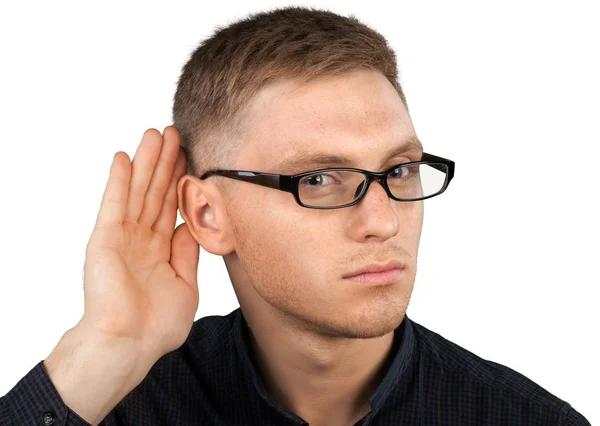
[(322, 343)]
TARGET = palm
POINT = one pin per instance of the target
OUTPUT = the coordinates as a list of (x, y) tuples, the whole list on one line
[(140, 273)]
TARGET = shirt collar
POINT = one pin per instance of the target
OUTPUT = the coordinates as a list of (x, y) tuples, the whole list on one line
[(402, 347)]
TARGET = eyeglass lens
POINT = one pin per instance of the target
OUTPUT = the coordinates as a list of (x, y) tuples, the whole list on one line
[(336, 188)]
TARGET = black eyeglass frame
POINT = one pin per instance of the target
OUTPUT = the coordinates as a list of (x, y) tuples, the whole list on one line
[(289, 183)]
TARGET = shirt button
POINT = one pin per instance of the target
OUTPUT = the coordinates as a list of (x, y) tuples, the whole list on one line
[(49, 418)]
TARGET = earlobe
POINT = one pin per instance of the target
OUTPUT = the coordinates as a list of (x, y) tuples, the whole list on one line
[(201, 207)]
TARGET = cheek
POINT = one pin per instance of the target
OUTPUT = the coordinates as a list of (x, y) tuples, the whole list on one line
[(410, 217), (279, 254), (265, 246)]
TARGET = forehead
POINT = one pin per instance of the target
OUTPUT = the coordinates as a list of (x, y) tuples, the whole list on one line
[(355, 114)]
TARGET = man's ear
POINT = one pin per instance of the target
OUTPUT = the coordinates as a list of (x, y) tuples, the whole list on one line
[(201, 206)]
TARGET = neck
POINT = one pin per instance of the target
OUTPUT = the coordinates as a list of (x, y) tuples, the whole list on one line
[(322, 379)]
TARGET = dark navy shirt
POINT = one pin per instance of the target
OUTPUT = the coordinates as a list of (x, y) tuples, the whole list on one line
[(213, 379)]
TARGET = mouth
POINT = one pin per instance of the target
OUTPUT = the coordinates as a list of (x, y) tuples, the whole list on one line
[(376, 275), (394, 264)]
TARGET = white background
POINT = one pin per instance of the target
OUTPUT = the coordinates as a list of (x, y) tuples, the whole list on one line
[(508, 90)]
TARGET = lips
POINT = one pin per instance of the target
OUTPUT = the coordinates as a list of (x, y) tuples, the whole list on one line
[(376, 268)]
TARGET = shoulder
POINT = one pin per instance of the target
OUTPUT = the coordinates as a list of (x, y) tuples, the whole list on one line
[(445, 364), (185, 381), (212, 335), (211, 340)]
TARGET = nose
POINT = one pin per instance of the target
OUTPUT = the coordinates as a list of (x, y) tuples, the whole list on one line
[(376, 216), (362, 185)]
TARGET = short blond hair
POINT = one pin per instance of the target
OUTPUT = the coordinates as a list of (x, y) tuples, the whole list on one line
[(228, 68)]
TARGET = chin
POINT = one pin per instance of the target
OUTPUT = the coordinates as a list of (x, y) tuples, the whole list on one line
[(367, 322), (377, 327)]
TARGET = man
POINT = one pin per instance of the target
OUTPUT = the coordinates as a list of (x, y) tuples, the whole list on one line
[(305, 173)]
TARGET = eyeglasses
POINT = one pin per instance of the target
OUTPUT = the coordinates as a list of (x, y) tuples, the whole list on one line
[(335, 188)]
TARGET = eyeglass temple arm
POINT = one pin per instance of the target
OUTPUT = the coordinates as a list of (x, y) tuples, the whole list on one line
[(264, 179)]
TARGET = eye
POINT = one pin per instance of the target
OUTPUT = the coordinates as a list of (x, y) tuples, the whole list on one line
[(316, 180), (399, 172)]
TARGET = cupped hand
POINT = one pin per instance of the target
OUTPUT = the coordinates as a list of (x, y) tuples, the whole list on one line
[(140, 274)]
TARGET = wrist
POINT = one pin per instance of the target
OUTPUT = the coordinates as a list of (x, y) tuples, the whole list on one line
[(92, 372)]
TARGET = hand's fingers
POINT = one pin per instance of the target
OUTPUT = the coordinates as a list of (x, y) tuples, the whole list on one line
[(161, 177), (165, 223), (143, 165), (114, 201), (185, 253)]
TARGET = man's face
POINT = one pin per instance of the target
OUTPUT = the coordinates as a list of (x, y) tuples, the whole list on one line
[(294, 257)]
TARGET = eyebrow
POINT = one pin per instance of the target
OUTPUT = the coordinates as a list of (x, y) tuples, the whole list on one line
[(306, 160)]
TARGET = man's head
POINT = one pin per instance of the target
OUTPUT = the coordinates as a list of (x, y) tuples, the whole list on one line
[(256, 96)]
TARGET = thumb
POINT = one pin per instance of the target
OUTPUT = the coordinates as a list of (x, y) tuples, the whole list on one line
[(185, 253)]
